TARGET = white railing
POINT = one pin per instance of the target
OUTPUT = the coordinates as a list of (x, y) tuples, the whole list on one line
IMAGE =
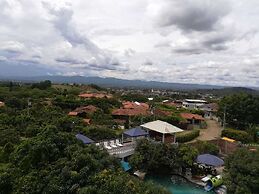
[(123, 151)]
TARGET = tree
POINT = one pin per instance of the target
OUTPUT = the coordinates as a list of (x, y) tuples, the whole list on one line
[(241, 110), (42, 85), (242, 169), (187, 155), (107, 182), (154, 158), (204, 147)]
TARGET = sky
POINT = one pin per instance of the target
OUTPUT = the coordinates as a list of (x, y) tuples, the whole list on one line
[(184, 41)]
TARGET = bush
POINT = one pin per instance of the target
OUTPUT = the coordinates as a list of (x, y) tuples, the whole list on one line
[(237, 135), (187, 136), (204, 147)]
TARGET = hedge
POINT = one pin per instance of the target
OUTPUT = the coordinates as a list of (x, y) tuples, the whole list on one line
[(237, 135), (187, 136)]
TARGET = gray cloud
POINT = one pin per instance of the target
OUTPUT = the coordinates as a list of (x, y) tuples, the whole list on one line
[(69, 60), (188, 15)]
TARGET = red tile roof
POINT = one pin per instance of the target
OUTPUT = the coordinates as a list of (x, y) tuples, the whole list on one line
[(133, 105), (87, 121), (130, 112), (72, 113), (132, 109), (191, 116), (86, 109)]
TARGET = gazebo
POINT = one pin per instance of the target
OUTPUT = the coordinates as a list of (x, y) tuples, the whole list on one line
[(134, 133), (210, 160), (84, 139), (161, 131)]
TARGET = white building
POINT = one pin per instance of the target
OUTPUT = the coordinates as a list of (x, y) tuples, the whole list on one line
[(193, 103)]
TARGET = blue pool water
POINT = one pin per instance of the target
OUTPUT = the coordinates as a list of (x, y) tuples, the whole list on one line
[(178, 186)]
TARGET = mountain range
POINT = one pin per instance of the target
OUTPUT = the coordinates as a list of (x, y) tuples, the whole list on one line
[(114, 82)]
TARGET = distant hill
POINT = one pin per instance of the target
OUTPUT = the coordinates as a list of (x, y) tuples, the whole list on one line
[(228, 91), (114, 82)]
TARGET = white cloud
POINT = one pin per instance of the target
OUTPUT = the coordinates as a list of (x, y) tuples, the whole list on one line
[(201, 41)]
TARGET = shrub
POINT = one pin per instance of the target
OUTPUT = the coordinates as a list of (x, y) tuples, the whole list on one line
[(238, 135), (204, 147), (187, 136)]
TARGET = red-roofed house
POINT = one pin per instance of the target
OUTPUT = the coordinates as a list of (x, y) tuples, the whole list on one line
[(192, 118), (135, 105), (130, 109), (82, 111)]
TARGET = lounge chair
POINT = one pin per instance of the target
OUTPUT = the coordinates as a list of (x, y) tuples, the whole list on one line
[(105, 144), (118, 143), (112, 144)]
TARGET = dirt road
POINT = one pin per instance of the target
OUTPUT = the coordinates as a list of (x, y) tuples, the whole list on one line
[(213, 131)]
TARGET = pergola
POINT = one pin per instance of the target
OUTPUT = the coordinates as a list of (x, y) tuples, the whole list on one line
[(134, 133), (160, 128)]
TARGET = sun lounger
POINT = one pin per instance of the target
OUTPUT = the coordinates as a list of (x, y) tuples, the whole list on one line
[(118, 143), (105, 144), (112, 144)]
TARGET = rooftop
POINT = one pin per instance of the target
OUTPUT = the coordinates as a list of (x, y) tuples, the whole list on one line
[(130, 112), (161, 127), (191, 116), (195, 101)]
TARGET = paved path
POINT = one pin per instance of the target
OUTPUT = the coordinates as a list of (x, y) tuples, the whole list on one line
[(213, 131)]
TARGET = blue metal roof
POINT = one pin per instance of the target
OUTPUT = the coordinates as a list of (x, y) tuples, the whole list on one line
[(135, 132), (210, 160), (84, 139)]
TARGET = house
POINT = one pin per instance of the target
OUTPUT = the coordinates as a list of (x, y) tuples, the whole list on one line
[(193, 119), (161, 131), (193, 103), (82, 111), (134, 105), (210, 109), (2, 104), (122, 113), (131, 109)]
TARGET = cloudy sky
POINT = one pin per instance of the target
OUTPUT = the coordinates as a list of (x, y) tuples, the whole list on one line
[(186, 41)]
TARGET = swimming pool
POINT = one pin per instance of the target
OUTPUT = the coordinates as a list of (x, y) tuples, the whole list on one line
[(178, 185)]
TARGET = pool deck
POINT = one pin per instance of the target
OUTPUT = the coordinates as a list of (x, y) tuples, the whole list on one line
[(195, 181)]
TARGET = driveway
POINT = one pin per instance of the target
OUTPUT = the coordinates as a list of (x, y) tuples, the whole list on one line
[(213, 131)]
